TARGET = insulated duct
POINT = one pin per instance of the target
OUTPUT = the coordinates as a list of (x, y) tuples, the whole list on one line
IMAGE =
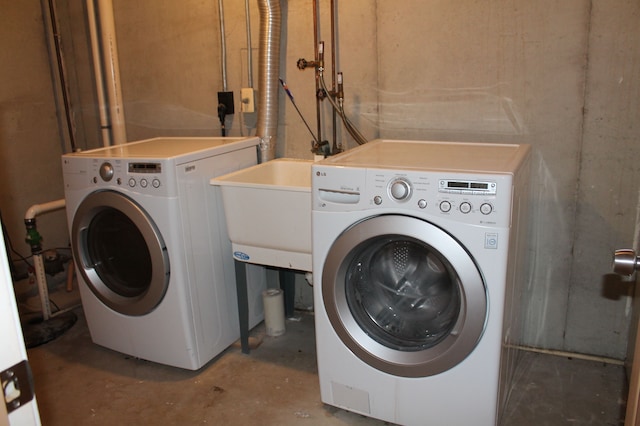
[(268, 77)]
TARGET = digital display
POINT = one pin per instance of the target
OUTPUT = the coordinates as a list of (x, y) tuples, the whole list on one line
[(479, 185), (467, 187), (145, 167), (458, 185)]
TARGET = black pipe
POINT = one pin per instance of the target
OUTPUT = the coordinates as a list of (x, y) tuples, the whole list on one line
[(62, 75)]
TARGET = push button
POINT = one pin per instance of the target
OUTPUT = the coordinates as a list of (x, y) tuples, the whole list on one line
[(486, 208), (491, 240)]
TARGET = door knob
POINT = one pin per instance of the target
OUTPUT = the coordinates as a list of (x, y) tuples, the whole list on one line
[(625, 262)]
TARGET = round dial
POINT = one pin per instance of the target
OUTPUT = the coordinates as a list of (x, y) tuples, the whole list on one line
[(106, 172), (399, 189)]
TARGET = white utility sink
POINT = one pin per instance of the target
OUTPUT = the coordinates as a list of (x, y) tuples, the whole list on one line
[(268, 213)]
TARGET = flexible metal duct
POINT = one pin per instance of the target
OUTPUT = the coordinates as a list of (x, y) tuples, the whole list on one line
[(268, 75)]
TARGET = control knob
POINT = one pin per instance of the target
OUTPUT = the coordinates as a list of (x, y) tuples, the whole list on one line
[(400, 189), (106, 172)]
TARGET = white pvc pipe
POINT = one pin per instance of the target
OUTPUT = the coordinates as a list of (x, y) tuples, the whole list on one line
[(43, 289), (105, 128), (37, 209), (111, 70), (38, 263)]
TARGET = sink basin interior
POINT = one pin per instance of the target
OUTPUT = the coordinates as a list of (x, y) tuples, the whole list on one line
[(283, 172)]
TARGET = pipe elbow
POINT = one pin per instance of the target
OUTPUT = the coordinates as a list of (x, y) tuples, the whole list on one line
[(38, 209)]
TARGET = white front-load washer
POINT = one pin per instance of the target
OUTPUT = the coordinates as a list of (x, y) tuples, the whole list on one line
[(417, 255), (150, 245)]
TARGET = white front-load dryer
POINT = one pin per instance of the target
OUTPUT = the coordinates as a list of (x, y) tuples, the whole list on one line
[(150, 245), (417, 257)]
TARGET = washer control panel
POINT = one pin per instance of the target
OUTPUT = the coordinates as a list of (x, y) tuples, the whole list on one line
[(481, 199)]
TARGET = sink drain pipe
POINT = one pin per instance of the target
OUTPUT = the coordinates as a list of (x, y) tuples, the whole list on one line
[(268, 77), (52, 325), (34, 240)]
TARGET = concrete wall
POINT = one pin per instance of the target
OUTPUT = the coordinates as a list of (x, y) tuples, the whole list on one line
[(608, 183), (562, 76), (30, 139)]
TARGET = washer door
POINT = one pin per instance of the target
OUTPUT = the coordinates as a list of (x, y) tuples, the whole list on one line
[(404, 296), (120, 253)]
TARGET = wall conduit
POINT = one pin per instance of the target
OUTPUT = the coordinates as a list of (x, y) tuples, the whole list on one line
[(268, 76)]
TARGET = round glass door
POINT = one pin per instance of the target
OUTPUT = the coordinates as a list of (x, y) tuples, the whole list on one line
[(120, 253), (404, 296)]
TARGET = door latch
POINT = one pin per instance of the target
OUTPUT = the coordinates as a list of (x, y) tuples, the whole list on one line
[(17, 385)]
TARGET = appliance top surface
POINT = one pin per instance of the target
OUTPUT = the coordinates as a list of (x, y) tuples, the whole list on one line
[(427, 155), (169, 147)]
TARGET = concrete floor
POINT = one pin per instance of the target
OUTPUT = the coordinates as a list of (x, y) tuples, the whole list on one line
[(80, 383)]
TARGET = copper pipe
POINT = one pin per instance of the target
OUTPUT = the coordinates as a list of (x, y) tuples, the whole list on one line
[(317, 59), (333, 76)]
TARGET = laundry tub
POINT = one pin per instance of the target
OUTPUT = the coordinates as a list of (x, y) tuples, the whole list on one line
[(268, 213)]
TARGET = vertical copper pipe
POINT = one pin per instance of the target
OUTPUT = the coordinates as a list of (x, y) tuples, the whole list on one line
[(333, 75), (315, 47), (223, 45)]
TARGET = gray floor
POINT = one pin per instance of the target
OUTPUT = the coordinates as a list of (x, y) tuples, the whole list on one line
[(80, 383), (555, 390)]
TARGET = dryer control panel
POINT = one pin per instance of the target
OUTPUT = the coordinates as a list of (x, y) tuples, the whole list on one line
[(135, 177), (466, 197)]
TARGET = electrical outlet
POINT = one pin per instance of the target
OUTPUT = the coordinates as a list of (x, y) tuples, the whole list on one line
[(226, 99), (248, 99)]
